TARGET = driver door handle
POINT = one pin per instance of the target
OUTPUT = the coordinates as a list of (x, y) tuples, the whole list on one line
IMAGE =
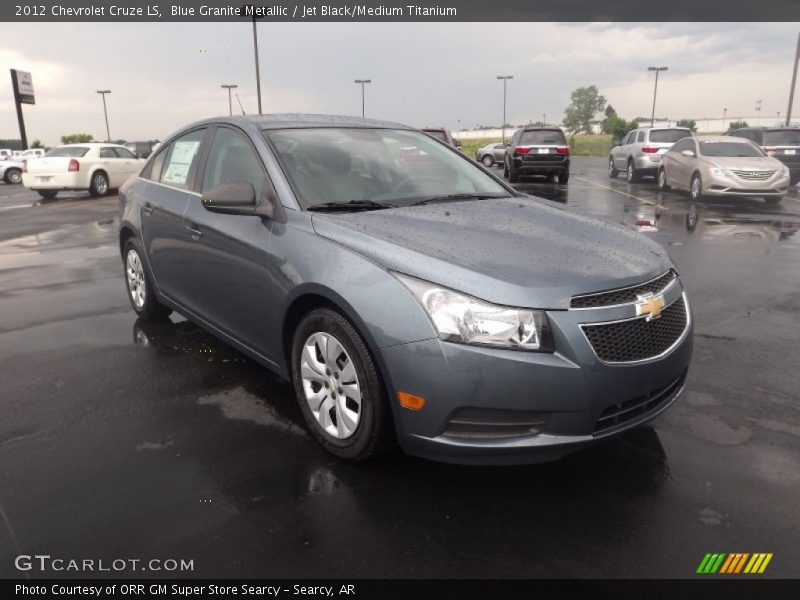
[(147, 209), (196, 232)]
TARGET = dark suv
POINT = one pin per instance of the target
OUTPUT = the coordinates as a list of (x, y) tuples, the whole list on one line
[(537, 151), (782, 143)]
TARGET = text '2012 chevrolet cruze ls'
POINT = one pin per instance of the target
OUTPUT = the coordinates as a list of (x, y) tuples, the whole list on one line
[(407, 292)]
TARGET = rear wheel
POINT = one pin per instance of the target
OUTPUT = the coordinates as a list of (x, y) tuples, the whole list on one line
[(563, 177), (47, 194), (662, 179), (632, 173), (338, 387), (140, 286), (487, 160), (13, 176), (612, 170), (99, 184), (513, 176)]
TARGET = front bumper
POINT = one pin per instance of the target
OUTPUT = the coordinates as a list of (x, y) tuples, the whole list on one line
[(568, 395), (733, 185)]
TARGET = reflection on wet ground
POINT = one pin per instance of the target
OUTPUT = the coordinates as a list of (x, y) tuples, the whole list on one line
[(126, 438)]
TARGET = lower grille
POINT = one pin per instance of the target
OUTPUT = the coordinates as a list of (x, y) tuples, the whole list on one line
[(754, 175), (619, 414), (638, 339), (487, 423)]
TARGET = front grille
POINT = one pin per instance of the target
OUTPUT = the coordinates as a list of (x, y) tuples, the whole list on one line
[(638, 339), (754, 175), (619, 414), (487, 423), (622, 295)]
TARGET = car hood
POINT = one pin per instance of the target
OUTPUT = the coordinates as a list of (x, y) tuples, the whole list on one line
[(522, 251), (747, 163)]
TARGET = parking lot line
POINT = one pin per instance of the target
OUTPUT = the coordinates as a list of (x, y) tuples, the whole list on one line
[(605, 187)]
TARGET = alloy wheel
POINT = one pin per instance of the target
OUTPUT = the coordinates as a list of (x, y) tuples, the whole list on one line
[(330, 384), (136, 282), (14, 176), (100, 184), (696, 188)]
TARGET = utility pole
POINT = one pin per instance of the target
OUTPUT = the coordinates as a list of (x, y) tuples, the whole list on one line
[(258, 69), (363, 82), (655, 92), (794, 81), (230, 86), (505, 79), (724, 114), (105, 112)]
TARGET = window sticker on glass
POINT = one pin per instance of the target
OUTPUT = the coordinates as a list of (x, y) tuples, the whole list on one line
[(181, 159)]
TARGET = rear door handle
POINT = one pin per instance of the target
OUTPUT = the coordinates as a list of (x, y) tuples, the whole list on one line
[(196, 232), (147, 209)]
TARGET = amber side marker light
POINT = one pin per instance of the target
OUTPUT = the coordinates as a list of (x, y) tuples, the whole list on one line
[(410, 401)]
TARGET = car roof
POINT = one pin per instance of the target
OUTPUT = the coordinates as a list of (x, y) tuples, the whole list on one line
[(542, 128), (300, 121), (655, 127), (717, 138)]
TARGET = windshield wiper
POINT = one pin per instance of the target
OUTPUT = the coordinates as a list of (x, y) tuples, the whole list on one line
[(350, 205), (457, 197)]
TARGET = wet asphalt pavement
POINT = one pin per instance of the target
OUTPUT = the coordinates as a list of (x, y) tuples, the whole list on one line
[(122, 439)]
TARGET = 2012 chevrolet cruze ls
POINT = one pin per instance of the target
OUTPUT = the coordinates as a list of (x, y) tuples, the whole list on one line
[(407, 292)]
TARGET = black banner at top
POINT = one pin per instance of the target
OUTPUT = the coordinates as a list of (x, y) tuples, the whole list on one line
[(399, 11)]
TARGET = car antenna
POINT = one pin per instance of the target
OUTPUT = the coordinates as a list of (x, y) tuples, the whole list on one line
[(240, 105)]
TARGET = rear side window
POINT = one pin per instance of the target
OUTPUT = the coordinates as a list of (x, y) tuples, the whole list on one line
[(544, 137), (107, 153), (784, 137), (68, 152), (668, 136), (640, 137), (124, 153), (181, 162)]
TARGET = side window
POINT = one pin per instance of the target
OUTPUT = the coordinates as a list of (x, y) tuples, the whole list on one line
[(629, 138), (153, 170), (640, 137), (181, 161), (124, 152), (232, 159), (107, 153), (680, 146)]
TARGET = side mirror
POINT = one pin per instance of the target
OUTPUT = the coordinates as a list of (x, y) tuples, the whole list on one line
[(687, 153), (238, 198)]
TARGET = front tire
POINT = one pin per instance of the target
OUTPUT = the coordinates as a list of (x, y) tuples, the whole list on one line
[(662, 180), (487, 160), (99, 184), (338, 387), (631, 173), (139, 282), (696, 187), (13, 176)]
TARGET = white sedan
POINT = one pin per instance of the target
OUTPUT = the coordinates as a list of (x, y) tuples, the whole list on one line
[(92, 166)]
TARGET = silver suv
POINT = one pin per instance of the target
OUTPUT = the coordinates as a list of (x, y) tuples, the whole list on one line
[(640, 151)]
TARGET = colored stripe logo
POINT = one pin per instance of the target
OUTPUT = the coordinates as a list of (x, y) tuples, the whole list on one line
[(734, 563)]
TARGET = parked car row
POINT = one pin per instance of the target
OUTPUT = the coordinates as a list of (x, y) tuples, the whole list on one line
[(753, 161)]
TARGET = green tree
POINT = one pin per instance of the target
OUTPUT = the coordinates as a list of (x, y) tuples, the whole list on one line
[(738, 124), (616, 126), (688, 123), (585, 103), (77, 138), (37, 144)]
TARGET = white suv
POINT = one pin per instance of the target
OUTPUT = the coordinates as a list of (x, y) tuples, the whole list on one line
[(640, 151)]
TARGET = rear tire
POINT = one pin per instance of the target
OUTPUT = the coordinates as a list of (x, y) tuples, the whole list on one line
[(352, 372), (99, 184), (139, 282), (661, 179), (696, 187), (612, 170), (47, 194), (513, 176), (563, 177), (13, 176)]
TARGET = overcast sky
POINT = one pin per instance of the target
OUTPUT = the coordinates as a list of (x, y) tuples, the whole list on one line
[(164, 75)]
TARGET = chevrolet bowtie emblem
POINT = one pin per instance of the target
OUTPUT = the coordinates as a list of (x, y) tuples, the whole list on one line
[(650, 305)]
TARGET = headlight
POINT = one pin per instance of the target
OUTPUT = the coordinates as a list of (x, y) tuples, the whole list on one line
[(463, 319), (784, 171), (716, 171)]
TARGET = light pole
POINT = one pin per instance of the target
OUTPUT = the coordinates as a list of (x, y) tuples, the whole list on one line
[(363, 82), (505, 79), (229, 86), (105, 112), (794, 82), (258, 69), (655, 91), (724, 114), (544, 119)]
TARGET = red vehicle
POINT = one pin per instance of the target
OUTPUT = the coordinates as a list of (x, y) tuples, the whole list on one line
[(442, 134)]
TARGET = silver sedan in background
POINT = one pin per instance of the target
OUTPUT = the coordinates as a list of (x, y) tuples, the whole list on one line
[(721, 166), (491, 154)]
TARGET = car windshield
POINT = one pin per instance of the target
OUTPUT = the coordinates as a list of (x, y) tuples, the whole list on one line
[(68, 152), (374, 168), (668, 136), (439, 135), (783, 137), (545, 137), (743, 148)]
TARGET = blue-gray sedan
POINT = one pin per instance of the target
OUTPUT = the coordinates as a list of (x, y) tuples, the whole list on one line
[(408, 293)]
